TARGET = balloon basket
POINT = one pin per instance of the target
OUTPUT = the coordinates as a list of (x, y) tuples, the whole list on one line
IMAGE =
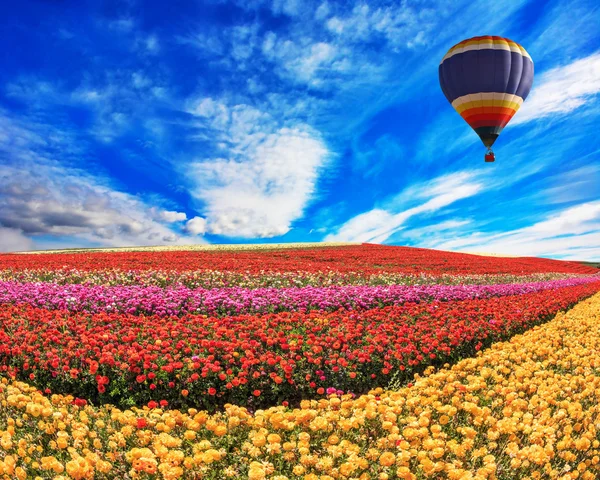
[(490, 157)]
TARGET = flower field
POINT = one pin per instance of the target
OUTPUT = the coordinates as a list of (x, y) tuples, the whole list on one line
[(298, 364), (366, 259)]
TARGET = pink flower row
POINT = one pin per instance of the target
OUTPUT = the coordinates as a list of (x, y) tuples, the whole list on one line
[(234, 301)]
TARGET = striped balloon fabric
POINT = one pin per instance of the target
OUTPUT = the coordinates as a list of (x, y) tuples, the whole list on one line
[(486, 79)]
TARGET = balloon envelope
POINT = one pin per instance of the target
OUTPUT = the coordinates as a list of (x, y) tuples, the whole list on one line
[(486, 79)]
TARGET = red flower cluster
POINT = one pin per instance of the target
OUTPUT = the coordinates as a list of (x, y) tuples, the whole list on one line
[(254, 360), (367, 259)]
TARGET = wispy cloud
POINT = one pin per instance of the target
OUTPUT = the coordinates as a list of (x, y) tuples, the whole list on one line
[(118, 100), (562, 90), (572, 186), (400, 25), (562, 33), (125, 24), (378, 225), (566, 233)]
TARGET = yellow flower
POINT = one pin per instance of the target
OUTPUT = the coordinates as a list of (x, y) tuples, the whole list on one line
[(387, 459), (298, 470)]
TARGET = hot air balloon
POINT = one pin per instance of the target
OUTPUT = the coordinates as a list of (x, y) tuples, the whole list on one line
[(486, 79)]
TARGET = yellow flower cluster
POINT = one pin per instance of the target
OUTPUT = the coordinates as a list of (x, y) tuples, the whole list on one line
[(525, 409)]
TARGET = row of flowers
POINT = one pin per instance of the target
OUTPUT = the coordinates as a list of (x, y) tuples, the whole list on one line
[(236, 301), (369, 259), (502, 415), (255, 360), (218, 279)]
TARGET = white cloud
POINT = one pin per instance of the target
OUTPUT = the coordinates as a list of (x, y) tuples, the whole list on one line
[(32, 88), (48, 199), (216, 113), (320, 53), (289, 7), (139, 80), (577, 185), (196, 226), (401, 26), (335, 25), (565, 234), (151, 44), (439, 227), (265, 175), (13, 240), (358, 67), (170, 216), (116, 100), (365, 227), (572, 221), (562, 90), (43, 195), (323, 11), (576, 26), (302, 61), (266, 181), (379, 224)]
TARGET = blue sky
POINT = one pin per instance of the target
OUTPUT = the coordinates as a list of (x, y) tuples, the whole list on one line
[(157, 123)]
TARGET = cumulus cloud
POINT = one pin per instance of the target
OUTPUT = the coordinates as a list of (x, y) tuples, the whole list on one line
[(168, 216), (265, 177), (50, 200), (562, 90), (196, 226), (42, 196), (13, 240)]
